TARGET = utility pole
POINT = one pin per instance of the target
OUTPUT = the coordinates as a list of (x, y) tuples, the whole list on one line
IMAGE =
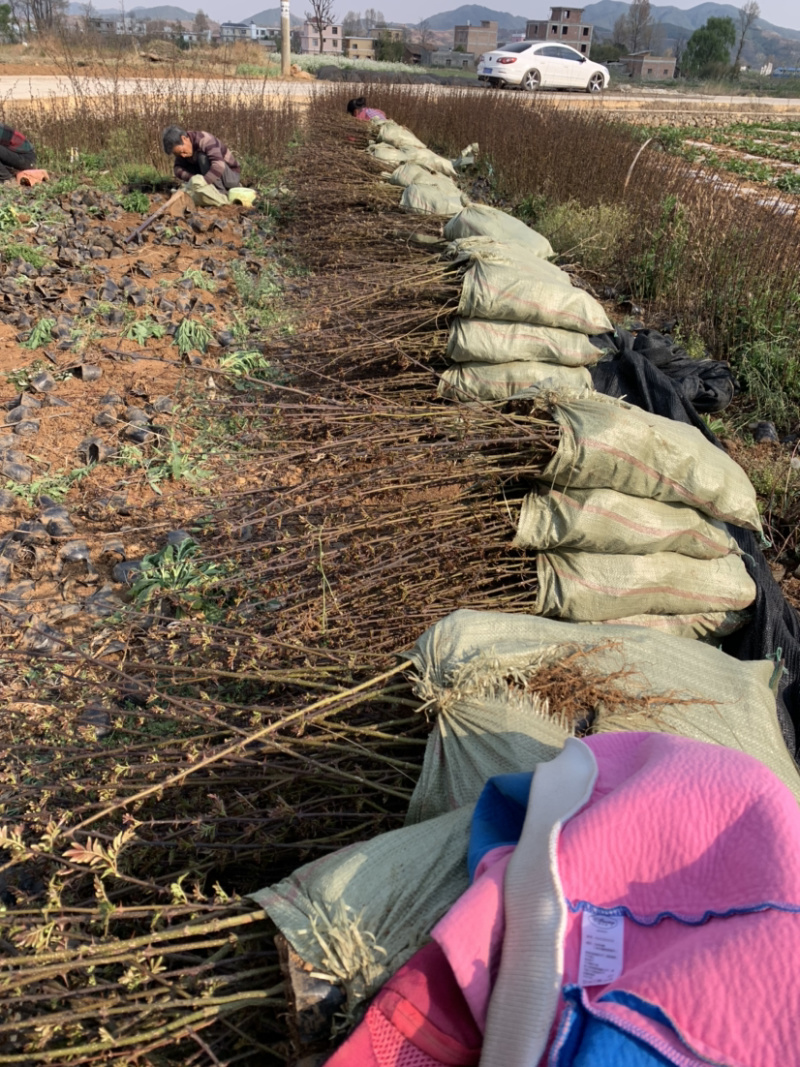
[(286, 31)]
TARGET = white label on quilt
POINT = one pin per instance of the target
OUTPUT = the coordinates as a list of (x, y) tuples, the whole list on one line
[(601, 949)]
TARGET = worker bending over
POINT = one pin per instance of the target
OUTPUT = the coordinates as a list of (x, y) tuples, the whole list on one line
[(197, 152), (16, 153), (359, 110)]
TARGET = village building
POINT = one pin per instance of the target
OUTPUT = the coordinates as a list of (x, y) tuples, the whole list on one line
[(564, 26), (475, 39), (332, 40), (359, 47), (648, 67)]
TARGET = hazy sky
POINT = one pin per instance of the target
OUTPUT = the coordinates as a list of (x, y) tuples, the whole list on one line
[(778, 12)]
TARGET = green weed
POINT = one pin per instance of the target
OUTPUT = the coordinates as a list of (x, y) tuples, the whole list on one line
[(788, 183), (591, 236), (692, 343), (130, 457), (177, 577), (172, 464), (657, 267), (9, 219), (250, 70), (200, 280), (137, 203), (134, 174), (716, 426), (192, 335), (142, 330), (105, 182), (769, 373), (55, 486), (256, 290), (246, 364), (20, 378), (41, 334)]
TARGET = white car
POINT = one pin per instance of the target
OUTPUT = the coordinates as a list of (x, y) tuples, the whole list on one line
[(532, 65)]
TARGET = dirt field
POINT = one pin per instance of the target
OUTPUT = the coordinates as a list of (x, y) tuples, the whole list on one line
[(86, 390)]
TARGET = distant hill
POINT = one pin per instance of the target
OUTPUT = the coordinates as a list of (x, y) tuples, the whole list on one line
[(767, 37), (167, 13), (475, 14), (272, 17), (606, 12), (766, 43)]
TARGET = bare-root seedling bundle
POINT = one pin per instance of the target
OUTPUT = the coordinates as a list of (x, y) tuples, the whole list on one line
[(256, 717)]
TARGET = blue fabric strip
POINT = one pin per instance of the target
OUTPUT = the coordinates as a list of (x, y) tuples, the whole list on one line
[(686, 919), (499, 815), (586, 1041)]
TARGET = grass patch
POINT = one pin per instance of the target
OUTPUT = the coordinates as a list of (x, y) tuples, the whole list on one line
[(137, 203), (769, 373), (592, 236), (34, 256)]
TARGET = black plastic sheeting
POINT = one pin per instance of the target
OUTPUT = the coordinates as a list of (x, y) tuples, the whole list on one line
[(708, 384), (640, 372)]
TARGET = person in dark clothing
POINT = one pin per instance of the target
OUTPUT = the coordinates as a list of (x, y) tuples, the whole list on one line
[(198, 152), (357, 107), (16, 153)]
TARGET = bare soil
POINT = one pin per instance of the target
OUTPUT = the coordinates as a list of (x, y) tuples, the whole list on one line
[(115, 510)]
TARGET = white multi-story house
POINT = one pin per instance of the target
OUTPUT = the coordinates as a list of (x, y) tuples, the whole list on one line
[(332, 40)]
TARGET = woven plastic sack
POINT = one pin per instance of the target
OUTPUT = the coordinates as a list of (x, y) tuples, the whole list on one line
[(203, 193), (609, 444), (603, 520), (432, 162), (481, 341), (430, 200), (479, 220), (398, 136), (357, 915), (590, 587), (395, 156), (511, 294), (483, 727), (701, 626), (386, 153), (675, 686), (509, 253), (498, 381), (415, 174)]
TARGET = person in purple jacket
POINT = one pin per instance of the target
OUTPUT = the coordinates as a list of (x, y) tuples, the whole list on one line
[(198, 152), (359, 110)]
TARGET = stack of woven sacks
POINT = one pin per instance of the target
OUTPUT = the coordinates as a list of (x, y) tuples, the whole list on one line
[(630, 523), (428, 180), (521, 323)]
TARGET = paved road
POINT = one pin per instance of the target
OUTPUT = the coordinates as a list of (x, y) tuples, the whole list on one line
[(43, 86), (40, 86)]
